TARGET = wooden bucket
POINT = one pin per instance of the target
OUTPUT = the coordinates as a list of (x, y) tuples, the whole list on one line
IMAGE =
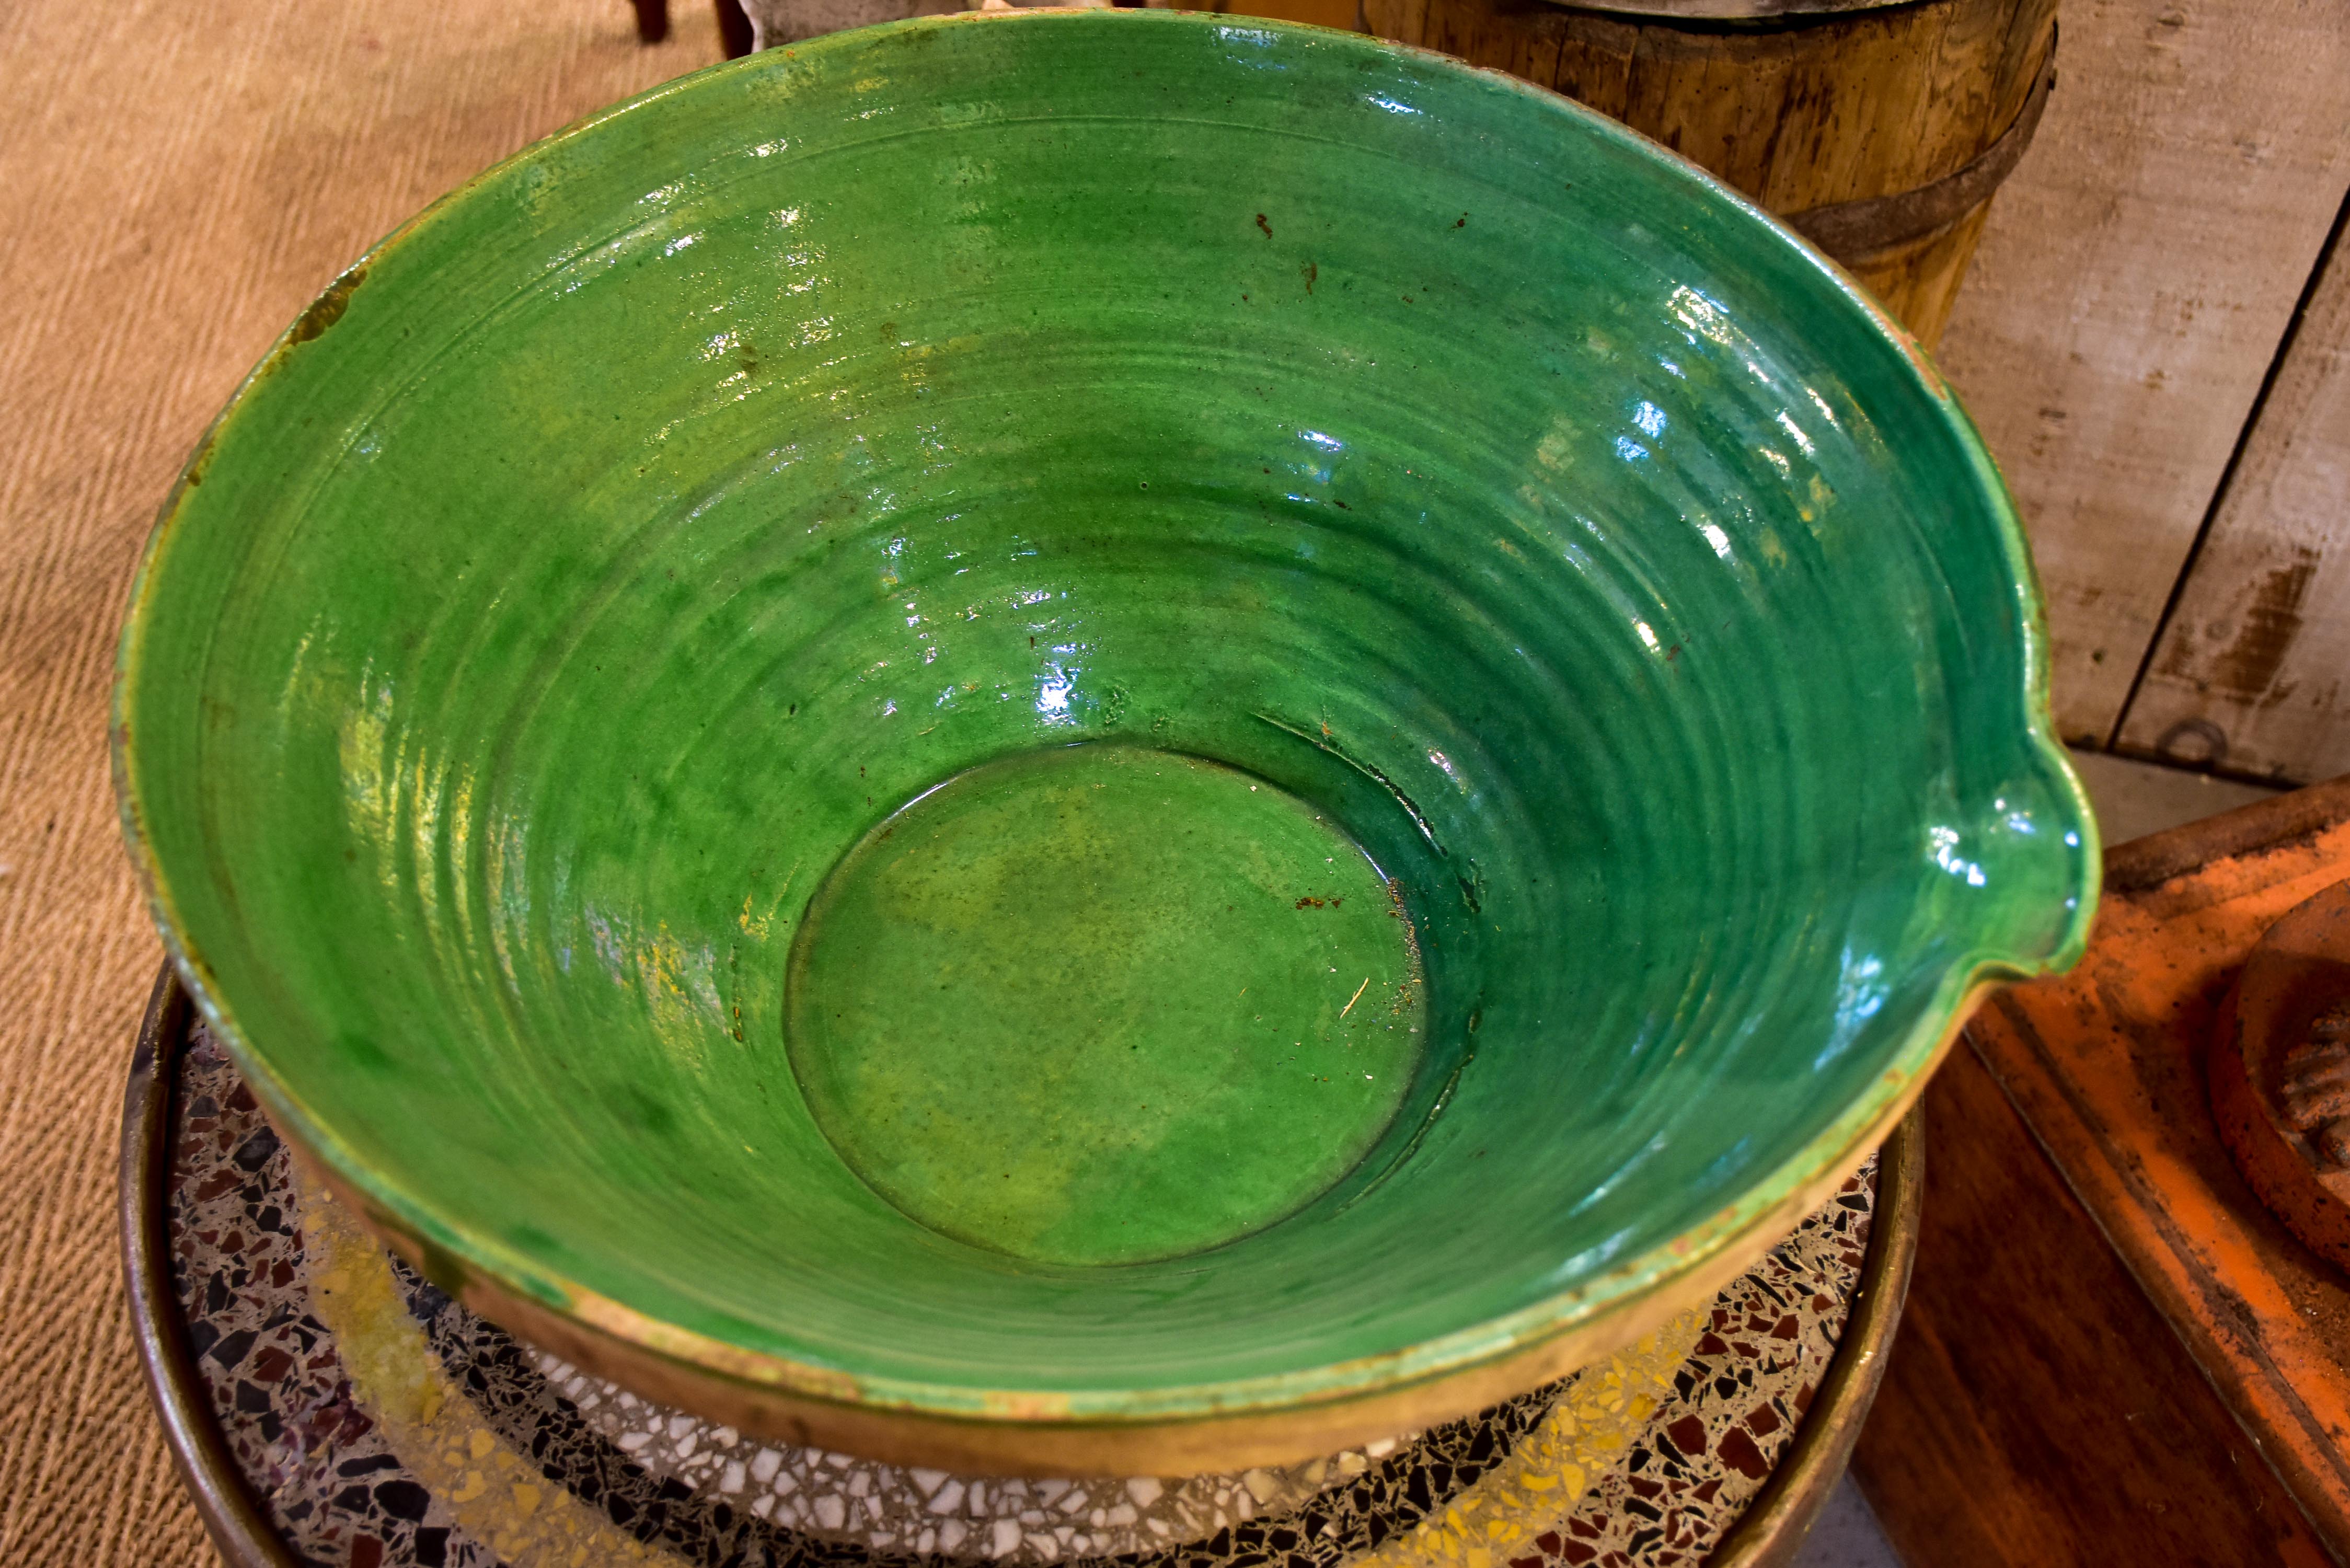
[(1878, 128)]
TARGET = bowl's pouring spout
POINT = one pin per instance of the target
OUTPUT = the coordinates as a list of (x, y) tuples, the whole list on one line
[(2026, 857)]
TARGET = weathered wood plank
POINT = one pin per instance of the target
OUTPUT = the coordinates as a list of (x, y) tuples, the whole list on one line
[(2133, 281), (2253, 671)]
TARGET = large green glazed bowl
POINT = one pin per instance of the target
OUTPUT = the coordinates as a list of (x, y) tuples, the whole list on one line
[(1092, 740)]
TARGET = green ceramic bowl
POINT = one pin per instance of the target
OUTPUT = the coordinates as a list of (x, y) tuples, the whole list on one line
[(1104, 738)]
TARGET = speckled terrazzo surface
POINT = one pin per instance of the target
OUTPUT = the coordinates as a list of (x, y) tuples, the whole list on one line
[(379, 1423)]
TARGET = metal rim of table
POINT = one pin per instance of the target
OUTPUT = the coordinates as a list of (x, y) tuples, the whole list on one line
[(1764, 1536)]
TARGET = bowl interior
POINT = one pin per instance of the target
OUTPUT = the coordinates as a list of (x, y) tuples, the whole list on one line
[(1244, 465)]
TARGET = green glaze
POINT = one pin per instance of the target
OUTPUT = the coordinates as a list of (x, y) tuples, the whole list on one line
[(630, 535), (1098, 1004)]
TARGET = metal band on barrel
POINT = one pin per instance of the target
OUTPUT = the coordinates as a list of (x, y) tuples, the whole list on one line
[(1851, 231)]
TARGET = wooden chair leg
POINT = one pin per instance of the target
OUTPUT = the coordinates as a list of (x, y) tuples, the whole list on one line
[(652, 20), (733, 28)]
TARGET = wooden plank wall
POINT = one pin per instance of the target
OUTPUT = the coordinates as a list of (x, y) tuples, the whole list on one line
[(2250, 672), (2137, 277)]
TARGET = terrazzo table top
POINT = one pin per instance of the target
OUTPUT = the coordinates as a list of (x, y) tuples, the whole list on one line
[(373, 1422)]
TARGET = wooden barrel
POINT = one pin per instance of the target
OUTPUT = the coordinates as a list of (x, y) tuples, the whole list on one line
[(1879, 129)]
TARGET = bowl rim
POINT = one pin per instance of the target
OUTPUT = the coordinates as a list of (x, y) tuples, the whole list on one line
[(485, 1270)]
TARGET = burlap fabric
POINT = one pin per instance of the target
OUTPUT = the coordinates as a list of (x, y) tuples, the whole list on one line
[(176, 180)]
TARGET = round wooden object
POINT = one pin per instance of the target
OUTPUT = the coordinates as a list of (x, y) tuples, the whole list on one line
[(2278, 1080), (328, 1405), (1879, 132)]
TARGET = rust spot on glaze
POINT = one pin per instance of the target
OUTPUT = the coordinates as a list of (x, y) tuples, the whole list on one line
[(199, 460), (328, 308)]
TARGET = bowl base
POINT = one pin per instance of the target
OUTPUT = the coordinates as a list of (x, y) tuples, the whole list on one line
[(1103, 1004)]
